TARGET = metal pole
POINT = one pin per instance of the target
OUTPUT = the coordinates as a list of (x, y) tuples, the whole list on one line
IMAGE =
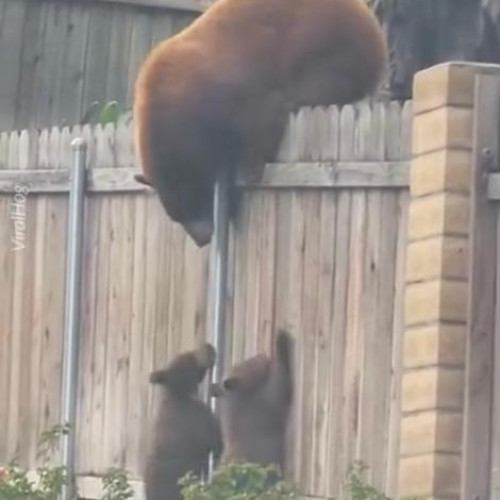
[(218, 280), (74, 244)]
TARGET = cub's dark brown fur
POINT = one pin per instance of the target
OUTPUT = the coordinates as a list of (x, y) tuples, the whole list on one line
[(255, 404), (218, 94), (186, 431)]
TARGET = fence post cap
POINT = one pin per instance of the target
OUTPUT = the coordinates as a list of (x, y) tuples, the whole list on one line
[(78, 143)]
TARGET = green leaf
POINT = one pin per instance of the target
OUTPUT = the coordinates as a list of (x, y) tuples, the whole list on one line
[(110, 113)]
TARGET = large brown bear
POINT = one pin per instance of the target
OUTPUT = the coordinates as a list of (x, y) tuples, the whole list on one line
[(218, 95), (255, 405), (186, 430)]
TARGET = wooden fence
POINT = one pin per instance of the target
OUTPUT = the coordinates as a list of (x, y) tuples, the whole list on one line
[(319, 249), (57, 57)]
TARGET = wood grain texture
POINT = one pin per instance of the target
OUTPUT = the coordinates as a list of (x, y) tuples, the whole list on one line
[(495, 441), (64, 56), (476, 479), (183, 5), (320, 258)]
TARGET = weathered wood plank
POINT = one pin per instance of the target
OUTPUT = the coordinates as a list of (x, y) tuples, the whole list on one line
[(4, 150), (27, 418), (53, 304), (334, 174), (118, 62), (323, 417), (169, 286), (152, 297), (12, 20), (495, 439), (267, 271), (311, 175), (394, 419), (169, 309), (283, 246), (369, 311), (406, 129), (98, 373), (294, 312), (252, 282), (73, 73), (241, 236), (36, 181), (97, 55), (137, 379), (38, 303), (118, 330), (282, 319), (183, 5), (142, 28), (30, 58), (15, 327), (7, 257), (355, 333), (194, 293), (308, 333), (392, 131), (338, 345), (384, 339), (50, 71), (481, 296)]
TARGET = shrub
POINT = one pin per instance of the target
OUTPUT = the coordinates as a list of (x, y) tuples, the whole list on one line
[(15, 483), (238, 482), (358, 487), (252, 482), (116, 486)]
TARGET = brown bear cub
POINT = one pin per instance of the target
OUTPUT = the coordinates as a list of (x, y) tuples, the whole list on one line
[(186, 431), (218, 95), (255, 404)]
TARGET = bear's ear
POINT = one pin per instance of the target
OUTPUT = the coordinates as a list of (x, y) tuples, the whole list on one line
[(158, 377), (231, 384)]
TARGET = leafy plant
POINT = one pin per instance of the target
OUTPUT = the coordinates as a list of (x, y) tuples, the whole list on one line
[(242, 481), (357, 485), (116, 485), (103, 113), (49, 440), (16, 484)]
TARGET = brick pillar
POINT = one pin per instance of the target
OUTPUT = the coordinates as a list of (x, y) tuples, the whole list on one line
[(436, 283)]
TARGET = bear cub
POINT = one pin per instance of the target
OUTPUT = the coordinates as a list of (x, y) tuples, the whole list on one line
[(255, 404), (186, 431)]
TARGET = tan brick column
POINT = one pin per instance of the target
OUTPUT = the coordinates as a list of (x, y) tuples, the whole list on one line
[(436, 283)]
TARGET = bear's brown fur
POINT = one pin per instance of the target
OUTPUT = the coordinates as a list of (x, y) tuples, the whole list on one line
[(255, 405), (186, 430), (218, 94)]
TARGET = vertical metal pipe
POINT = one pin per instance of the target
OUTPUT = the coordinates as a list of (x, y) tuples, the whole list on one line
[(74, 244), (218, 280)]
